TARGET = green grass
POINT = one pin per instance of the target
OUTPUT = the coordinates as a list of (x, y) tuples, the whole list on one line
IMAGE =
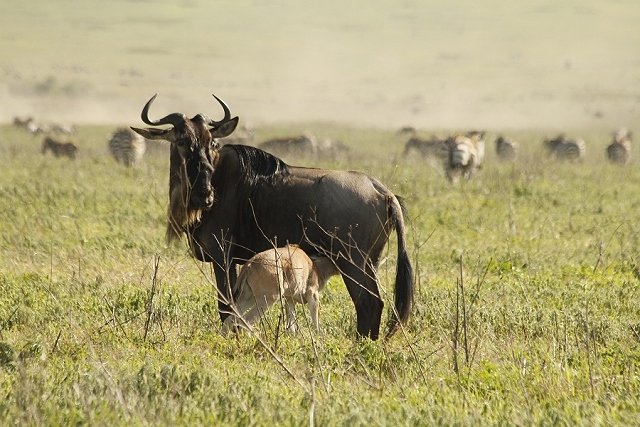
[(541, 327)]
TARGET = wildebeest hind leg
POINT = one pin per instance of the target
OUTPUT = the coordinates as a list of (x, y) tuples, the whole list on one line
[(363, 289)]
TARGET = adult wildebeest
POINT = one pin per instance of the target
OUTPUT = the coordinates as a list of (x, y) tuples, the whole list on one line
[(506, 149), (59, 149), (235, 201), (127, 147), (619, 151), (562, 148), (285, 273)]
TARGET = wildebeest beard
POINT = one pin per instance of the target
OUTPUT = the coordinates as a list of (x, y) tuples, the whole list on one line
[(190, 189)]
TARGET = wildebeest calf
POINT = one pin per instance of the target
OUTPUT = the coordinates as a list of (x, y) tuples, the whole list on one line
[(64, 149), (280, 273)]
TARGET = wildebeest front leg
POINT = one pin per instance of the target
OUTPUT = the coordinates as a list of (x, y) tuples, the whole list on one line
[(363, 289), (225, 281)]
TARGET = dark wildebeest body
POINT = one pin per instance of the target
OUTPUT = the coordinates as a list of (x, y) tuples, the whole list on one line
[(235, 201), (59, 149)]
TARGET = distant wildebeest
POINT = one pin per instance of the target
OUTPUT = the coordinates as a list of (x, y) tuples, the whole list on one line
[(291, 146), (285, 273), (235, 201), (59, 149), (127, 147), (562, 148), (619, 151), (466, 155), (506, 149)]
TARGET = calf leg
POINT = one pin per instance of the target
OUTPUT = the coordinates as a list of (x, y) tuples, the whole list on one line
[(313, 300), (250, 308), (290, 310)]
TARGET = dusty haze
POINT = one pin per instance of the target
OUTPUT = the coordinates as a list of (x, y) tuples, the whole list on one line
[(490, 64)]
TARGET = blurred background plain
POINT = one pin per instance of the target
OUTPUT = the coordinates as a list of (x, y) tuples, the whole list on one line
[(510, 64)]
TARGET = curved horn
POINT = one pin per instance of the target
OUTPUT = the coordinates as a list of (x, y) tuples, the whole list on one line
[(227, 113), (171, 119)]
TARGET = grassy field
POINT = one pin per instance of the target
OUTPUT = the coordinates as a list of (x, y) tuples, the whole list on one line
[(527, 307)]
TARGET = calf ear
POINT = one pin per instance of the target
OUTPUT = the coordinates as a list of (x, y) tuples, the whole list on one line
[(151, 133), (225, 129)]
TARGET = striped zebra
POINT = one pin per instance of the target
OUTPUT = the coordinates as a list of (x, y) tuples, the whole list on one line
[(293, 146), (126, 146), (243, 135), (466, 154), (435, 148), (619, 151), (59, 149), (506, 149), (562, 148)]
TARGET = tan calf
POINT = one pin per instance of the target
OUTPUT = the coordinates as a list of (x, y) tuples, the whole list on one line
[(285, 273)]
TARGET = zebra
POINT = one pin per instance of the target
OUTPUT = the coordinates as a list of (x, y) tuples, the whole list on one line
[(244, 135), (619, 151), (435, 148), (506, 149), (563, 149), (126, 146), (301, 145), (62, 128), (466, 155), (59, 149)]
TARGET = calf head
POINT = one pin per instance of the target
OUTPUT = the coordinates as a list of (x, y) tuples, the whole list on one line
[(193, 153)]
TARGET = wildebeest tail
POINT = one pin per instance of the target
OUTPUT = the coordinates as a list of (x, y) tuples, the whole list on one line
[(404, 273)]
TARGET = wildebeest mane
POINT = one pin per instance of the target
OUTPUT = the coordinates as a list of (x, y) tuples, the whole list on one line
[(258, 166)]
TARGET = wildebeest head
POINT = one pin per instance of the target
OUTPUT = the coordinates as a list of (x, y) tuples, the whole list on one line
[(193, 152)]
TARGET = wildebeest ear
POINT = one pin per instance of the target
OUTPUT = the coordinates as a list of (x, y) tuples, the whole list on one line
[(152, 133), (225, 128)]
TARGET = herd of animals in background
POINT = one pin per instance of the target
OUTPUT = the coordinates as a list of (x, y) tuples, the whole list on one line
[(460, 155)]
